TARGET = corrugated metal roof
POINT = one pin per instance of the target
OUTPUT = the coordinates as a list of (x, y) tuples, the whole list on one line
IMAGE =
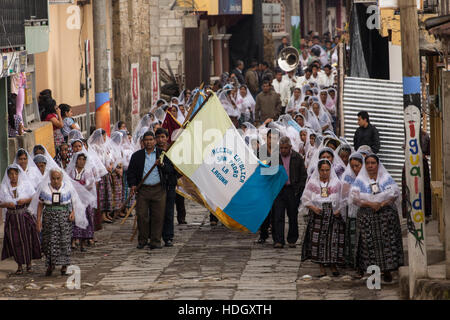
[(383, 100)]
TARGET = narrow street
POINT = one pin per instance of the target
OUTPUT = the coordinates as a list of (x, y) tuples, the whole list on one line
[(204, 263)]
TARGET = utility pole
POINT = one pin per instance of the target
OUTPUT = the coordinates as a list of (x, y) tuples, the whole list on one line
[(102, 104), (417, 253)]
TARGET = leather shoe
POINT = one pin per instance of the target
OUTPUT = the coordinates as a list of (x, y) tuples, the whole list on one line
[(154, 247), (169, 243), (278, 245), (141, 246)]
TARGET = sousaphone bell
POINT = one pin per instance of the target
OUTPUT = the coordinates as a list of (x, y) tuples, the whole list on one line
[(288, 59)]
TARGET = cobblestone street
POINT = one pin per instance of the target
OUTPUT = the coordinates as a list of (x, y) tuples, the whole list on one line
[(204, 263)]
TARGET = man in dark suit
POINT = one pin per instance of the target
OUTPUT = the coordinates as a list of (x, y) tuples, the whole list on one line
[(238, 72), (152, 194), (366, 134), (289, 197)]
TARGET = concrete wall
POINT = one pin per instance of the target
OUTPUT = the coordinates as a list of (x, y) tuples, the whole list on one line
[(167, 35)]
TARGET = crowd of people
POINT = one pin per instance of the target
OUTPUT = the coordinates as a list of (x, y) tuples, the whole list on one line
[(351, 203)]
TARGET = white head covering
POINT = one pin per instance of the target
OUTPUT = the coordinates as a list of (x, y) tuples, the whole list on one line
[(338, 164), (324, 117), (115, 148), (361, 189), (181, 117), (127, 149), (24, 188), (140, 135), (32, 171), (74, 134), (146, 121), (312, 193), (50, 162), (293, 105), (98, 145), (246, 104), (90, 177), (312, 120), (364, 149), (292, 130), (329, 104), (99, 167), (227, 102), (348, 178), (79, 204)]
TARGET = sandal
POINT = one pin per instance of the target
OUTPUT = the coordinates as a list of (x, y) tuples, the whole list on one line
[(29, 269), (49, 271), (19, 271), (64, 270)]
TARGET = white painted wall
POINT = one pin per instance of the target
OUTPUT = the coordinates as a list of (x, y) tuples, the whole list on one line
[(395, 62)]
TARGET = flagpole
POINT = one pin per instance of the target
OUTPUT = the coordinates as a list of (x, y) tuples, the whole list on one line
[(194, 102), (153, 167)]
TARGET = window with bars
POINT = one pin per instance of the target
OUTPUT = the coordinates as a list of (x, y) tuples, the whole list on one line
[(13, 14)]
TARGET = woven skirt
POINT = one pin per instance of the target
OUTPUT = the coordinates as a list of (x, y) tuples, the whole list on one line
[(324, 237), (56, 235), (87, 233), (105, 194), (378, 239), (21, 239)]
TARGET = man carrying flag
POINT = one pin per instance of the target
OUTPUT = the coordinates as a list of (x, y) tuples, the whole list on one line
[(229, 177)]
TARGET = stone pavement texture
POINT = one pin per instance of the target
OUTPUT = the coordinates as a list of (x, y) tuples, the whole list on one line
[(204, 263)]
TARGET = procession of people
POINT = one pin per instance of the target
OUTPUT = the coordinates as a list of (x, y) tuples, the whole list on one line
[(350, 202)]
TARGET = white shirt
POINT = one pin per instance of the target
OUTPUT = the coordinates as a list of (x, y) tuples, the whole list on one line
[(292, 81), (302, 81), (283, 89), (327, 81)]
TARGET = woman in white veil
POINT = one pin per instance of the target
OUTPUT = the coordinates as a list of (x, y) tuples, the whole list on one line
[(26, 164), (99, 143), (326, 102), (246, 104), (311, 119), (117, 171), (321, 114), (354, 167), (55, 205), (82, 173), (40, 149), (330, 154), (379, 234), (21, 239), (146, 121), (230, 106), (324, 236), (294, 102), (292, 130)]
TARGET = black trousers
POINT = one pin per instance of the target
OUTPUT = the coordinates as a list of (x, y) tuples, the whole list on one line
[(168, 232), (181, 210), (285, 201), (264, 229)]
